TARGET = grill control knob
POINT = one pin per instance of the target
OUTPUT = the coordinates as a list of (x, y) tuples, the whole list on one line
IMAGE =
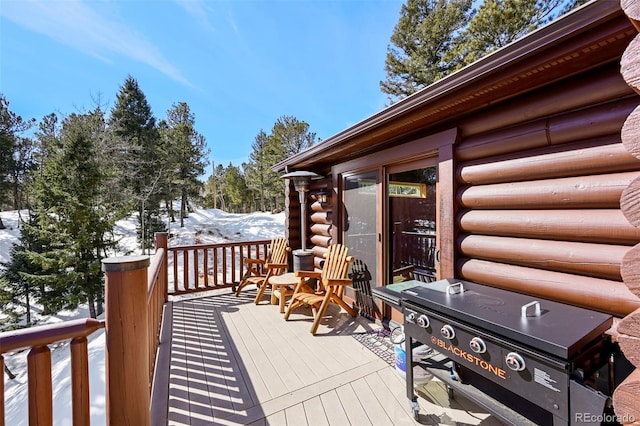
[(515, 361), (477, 345), (423, 321), (411, 317), (447, 332)]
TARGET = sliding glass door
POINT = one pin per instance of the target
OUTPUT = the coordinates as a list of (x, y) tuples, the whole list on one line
[(412, 224), (360, 223)]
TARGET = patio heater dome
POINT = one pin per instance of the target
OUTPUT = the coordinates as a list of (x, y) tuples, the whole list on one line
[(302, 259)]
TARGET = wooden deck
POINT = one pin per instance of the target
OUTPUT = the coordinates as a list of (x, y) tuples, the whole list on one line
[(225, 361)]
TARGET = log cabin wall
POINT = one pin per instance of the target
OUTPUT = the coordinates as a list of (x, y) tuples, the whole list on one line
[(321, 220), (538, 208), (292, 216), (626, 397)]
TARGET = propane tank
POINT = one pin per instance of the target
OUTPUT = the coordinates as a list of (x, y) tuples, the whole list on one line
[(420, 375)]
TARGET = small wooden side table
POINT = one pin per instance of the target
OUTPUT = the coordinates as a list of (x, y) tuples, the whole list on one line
[(282, 286)]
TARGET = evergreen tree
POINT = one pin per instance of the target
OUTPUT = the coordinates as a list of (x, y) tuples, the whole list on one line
[(433, 38), (16, 292), (498, 23), (258, 173), (75, 220), (290, 136), (134, 127), (188, 150), (212, 194), (213, 189), (420, 40), (11, 125), (235, 189), (23, 165)]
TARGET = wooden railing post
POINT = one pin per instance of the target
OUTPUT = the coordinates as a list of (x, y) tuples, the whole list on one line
[(162, 241), (127, 351)]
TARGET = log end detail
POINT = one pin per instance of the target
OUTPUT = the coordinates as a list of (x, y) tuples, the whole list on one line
[(629, 64)]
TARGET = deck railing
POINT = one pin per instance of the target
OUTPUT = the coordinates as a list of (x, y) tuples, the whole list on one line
[(209, 266), (39, 367), (136, 292)]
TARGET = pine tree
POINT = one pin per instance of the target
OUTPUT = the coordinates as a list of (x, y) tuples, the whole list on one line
[(189, 154), (288, 136), (11, 126), (213, 197), (498, 23), (419, 43), (292, 135), (258, 173), (133, 125), (235, 189), (75, 221), (16, 292), (433, 38)]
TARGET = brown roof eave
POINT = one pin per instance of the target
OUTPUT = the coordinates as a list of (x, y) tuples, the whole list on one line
[(583, 18)]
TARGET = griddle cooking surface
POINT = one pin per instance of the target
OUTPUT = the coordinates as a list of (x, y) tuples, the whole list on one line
[(560, 329)]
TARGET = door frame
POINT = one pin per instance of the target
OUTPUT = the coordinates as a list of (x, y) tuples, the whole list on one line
[(436, 149)]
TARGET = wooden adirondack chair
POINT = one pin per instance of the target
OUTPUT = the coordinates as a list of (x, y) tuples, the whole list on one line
[(259, 270), (331, 283)]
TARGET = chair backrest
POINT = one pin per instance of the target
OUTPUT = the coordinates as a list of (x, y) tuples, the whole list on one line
[(336, 263), (278, 251)]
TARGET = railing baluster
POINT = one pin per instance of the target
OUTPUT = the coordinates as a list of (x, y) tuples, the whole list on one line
[(233, 264), (215, 266), (196, 269), (175, 271), (205, 265), (40, 387), (185, 271), (224, 265), (80, 381)]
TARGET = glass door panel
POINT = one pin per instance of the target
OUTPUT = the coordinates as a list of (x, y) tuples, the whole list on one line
[(412, 224), (360, 234)]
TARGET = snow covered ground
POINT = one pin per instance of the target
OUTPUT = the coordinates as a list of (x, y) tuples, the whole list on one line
[(202, 226)]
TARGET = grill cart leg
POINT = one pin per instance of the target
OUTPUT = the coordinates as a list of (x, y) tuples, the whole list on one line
[(413, 399)]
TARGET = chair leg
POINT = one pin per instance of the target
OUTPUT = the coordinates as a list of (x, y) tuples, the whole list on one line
[(242, 285), (293, 304), (345, 306), (321, 311), (261, 290), (243, 282)]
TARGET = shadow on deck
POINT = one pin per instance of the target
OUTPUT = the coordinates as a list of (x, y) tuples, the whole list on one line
[(224, 360)]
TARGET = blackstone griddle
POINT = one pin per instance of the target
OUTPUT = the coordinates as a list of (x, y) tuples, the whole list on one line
[(537, 360)]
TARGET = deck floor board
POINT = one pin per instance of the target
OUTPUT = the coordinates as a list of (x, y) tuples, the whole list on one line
[(235, 363)]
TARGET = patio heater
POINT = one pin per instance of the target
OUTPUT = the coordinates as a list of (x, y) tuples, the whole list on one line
[(302, 259)]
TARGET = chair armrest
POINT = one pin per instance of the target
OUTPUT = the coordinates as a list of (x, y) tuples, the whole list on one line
[(339, 281), (308, 274), (259, 261), (276, 265)]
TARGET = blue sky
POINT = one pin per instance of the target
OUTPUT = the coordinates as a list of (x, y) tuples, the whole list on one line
[(238, 64)]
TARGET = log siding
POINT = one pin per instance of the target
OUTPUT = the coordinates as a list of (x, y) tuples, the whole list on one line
[(539, 209), (626, 396)]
